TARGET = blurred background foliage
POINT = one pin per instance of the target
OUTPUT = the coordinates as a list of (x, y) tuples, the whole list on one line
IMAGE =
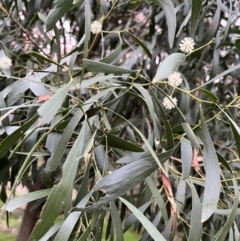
[(84, 128)]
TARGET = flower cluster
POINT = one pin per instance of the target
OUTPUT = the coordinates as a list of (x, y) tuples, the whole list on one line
[(187, 45), (175, 79), (96, 27), (169, 102), (5, 62)]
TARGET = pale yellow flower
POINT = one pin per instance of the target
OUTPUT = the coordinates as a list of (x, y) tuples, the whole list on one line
[(169, 102), (187, 45), (175, 79), (96, 27), (5, 62)]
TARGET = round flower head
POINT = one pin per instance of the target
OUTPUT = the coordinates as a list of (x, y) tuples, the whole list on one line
[(187, 45), (5, 62), (96, 27), (175, 79), (169, 102)]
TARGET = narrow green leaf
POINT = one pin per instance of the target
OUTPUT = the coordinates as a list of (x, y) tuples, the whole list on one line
[(196, 8), (149, 102), (195, 232), (61, 7), (105, 68), (49, 109), (150, 148), (86, 233), (57, 155), (129, 176), (29, 197), (186, 157), (59, 193), (43, 58), (131, 219), (117, 142), (231, 69), (210, 33), (169, 134), (117, 222), (87, 14), (190, 134), (51, 231), (70, 222), (211, 166), (158, 197), (237, 44), (151, 229), (114, 54), (147, 51), (210, 95), (235, 129), (88, 82), (222, 234), (168, 66), (228, 26), (9, 141), (170, 14)]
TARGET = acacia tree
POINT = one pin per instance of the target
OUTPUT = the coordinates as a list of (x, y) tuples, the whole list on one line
[(131, 105)]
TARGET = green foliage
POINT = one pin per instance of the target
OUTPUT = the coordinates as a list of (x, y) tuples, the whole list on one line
[(130, 123)]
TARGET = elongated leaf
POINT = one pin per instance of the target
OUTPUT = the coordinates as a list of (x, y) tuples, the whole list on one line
[(212, 28), (210, 95), (117, 222), (57, 155), (86, 83), (61, 7), (211, 166), (70, 222), (169, 134), (43, 58), (222, 234), (86, 233), (235, 129), (151, 229), (147, 51), (29, 197), (131, 219), (49, 109), (231, 69), (190, 134), (105, 68), (9, 141), (186, 157), (149, 102), (129, 176), (117, 142), (168, 66), (114, 54), (195, 232), (158, 198), (51, 231), (87, 14), (170, 14), (59, 194), (237, 44), (196, 8)]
